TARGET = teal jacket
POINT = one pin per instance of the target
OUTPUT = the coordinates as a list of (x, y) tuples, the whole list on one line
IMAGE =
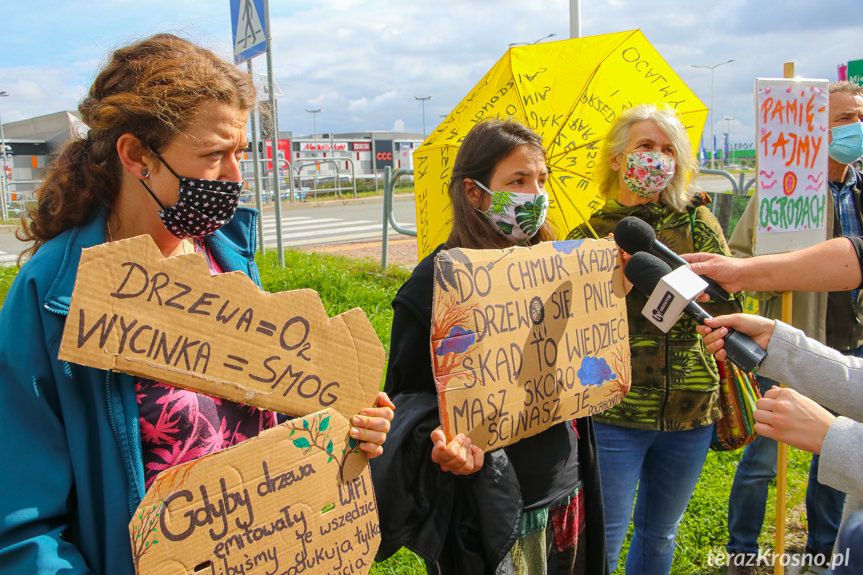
[(72, 473)]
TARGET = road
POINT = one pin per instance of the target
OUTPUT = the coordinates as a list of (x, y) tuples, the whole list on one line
[(302, 224), (711, 183), (330, 222), (321, 223)]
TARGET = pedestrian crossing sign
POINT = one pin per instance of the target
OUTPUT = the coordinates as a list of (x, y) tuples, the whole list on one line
[(248, 25)]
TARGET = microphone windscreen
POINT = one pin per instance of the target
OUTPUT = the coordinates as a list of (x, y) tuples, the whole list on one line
[(645, 270), (634, 235)]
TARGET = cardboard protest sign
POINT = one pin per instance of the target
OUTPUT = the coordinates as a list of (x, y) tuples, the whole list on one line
[(792, 131), (525, 338), (296, 499), (167, 319)]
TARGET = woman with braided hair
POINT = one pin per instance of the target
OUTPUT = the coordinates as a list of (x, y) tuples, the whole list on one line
[(167, 125)]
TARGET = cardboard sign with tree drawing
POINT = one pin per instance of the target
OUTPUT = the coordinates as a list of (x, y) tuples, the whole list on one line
[(525, 338), (296, 499)]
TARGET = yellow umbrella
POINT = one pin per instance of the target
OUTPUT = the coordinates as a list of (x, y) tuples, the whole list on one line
[(568, 92)]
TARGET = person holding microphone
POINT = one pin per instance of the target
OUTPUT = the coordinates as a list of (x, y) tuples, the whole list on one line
[(657, 438), (816, 376)]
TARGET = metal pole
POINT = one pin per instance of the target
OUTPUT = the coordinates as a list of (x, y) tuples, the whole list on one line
[(374, 164), (256, 160), (712, 114), (574, 18), (275, 141), (394, 176), (712, 122), (314, 114), (728, 120), (423, 100), (337, 182), (388, 195), (4, 182)]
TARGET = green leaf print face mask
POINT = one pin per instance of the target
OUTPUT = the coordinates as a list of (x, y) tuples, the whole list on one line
[(515, 215)]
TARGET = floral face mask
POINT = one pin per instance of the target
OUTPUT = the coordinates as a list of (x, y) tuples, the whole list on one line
[(515, 215), (648, 172)]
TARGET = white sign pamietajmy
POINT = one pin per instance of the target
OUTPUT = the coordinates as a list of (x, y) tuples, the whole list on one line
[(792, 128)]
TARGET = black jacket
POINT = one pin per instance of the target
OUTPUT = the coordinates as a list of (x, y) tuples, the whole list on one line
[(464, 524)]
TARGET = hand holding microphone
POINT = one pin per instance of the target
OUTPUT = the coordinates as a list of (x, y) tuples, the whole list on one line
[(634, 235), (645, 271)]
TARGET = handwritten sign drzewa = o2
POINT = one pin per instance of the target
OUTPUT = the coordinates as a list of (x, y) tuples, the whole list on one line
[(296, 499), (167, 319), (791, 149), (526, 338)]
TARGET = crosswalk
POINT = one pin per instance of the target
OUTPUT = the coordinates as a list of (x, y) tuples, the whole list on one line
[(306, 230), (299, 231)]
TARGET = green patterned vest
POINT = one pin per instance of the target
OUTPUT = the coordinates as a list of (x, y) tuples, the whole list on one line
[(674, 380)]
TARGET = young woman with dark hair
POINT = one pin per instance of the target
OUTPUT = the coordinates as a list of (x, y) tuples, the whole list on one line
[(531, 507)]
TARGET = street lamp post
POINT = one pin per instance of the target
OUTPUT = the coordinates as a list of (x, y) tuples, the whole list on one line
[(728, 120), (423, 100), (712, 137), (546, 37), (4, 182), (314, 114)]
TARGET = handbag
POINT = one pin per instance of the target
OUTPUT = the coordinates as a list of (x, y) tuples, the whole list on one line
[(738, 392)]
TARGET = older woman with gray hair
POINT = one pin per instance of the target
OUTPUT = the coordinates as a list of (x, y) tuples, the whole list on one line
[(657, 438)]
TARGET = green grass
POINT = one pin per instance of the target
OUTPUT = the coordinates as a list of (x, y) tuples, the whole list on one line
[(344, 284), (7, 274)]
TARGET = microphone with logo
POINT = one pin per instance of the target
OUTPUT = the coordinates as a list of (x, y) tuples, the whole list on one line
[(647, 271), (634, 235)]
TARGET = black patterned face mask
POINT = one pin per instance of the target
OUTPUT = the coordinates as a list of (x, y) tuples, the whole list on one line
[(203, 207)]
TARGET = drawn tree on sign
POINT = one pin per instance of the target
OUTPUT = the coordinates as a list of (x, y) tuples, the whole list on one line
[(447, 324), (622, 369), (319, 439), (144, 529)]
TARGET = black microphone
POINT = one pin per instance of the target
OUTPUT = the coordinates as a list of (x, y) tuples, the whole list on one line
[(645, 270), (634, 235)]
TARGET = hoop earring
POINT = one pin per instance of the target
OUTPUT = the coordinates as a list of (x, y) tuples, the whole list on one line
[(146, 173)]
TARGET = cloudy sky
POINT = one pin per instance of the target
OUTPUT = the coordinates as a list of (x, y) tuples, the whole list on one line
[(362, 62)]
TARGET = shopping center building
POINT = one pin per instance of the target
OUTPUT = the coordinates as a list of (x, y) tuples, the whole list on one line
[(307, 162)]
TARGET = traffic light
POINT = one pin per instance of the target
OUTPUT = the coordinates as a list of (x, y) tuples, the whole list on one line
[(9, 172)]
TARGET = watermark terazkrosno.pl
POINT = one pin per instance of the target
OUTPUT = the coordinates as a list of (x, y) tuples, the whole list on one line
[(766, 557)]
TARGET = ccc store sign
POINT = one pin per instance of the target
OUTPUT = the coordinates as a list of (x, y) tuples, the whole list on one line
[(383, 153)]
